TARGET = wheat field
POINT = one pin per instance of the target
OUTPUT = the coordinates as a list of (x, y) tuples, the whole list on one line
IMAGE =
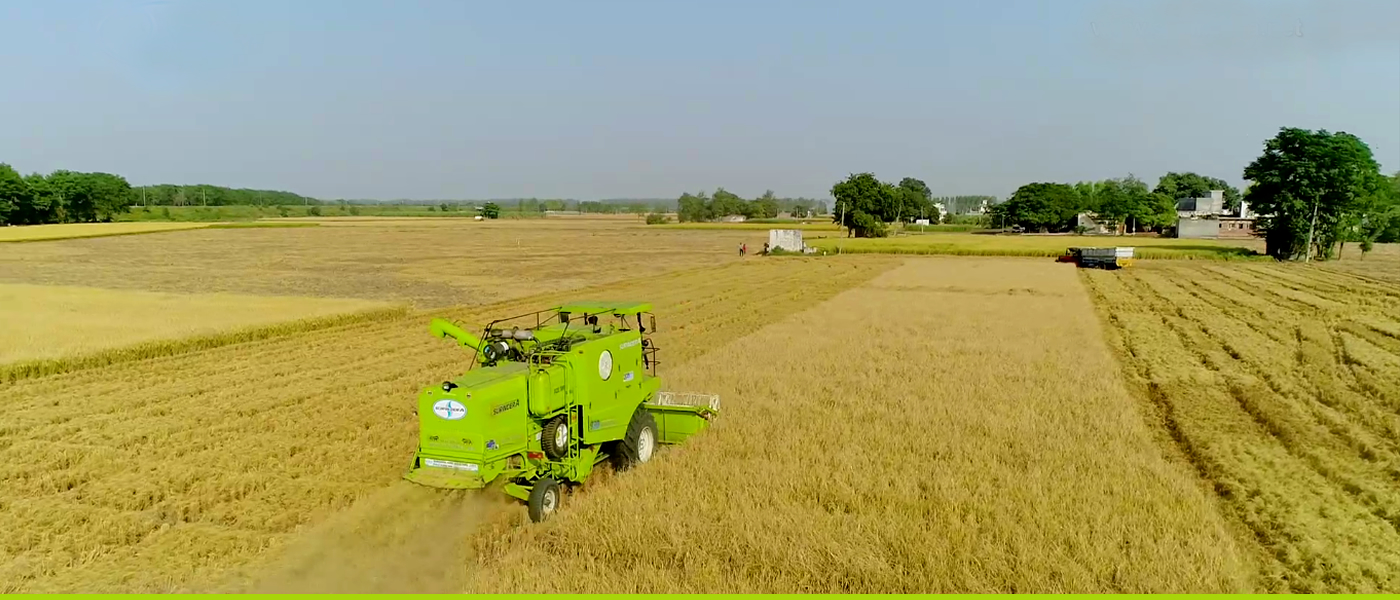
[(426, 262), (168, 473), (932, 424), (953, 425), (34, 233), (1281, 384), (51, 322)]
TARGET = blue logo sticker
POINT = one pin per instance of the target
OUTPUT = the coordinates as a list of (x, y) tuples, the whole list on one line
[(491, 444), (595, 425), (627, 377)]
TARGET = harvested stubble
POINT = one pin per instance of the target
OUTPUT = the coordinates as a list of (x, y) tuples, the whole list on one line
[(954, 425), (1279, 382), (171, 473), (428, 262), (1381, 263), (62, 322)]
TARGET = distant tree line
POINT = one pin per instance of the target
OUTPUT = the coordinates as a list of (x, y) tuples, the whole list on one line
[(723, 203), (60, 197), (1311, 192), (213, 195), (74, 197), (1125, 201)]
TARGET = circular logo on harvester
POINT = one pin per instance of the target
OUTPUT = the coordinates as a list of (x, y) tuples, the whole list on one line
[(449, 409), (605, 365)]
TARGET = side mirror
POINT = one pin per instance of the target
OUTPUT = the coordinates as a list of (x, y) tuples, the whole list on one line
[(651, 323)]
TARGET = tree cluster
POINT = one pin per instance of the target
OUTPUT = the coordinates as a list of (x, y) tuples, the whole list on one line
[(1315, 190), (60, 197), (865, 204), (1123, 203), (703, 207), (212, 195), (633, 207), (1191, 185)]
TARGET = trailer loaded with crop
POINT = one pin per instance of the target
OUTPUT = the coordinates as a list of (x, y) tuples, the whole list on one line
[(1098, 258), (549, 396)]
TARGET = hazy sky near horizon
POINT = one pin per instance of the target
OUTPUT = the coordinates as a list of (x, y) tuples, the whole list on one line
[(606, 99)]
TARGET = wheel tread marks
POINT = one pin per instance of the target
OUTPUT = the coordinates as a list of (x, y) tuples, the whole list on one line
[(624, 451)]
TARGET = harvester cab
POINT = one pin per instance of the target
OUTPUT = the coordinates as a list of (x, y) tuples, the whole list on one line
[(547, 397)]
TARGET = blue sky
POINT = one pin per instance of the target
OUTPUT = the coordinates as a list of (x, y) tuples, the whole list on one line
[(596, 99)]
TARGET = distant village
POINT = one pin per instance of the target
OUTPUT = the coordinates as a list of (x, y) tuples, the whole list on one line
[(1196, 218)]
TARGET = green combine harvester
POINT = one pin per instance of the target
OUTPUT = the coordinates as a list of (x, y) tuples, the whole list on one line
[(549, 396)]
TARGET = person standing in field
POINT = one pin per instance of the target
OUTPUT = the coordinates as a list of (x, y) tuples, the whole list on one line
[(742, 248)]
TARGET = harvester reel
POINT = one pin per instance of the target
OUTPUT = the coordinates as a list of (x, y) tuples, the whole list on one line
[(555, 438)]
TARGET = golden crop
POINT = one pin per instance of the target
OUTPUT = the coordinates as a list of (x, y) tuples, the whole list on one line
[(31, 233), (890, 423), (167, 473), (1281, 384), (429, 262), (50, 322), (953, 425)]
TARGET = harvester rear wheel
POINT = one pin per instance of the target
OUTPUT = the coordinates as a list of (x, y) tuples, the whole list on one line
[(555, 437), (639, 443), (544, 499)]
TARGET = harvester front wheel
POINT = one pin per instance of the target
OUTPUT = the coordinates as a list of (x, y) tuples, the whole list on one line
[(555, 437), (544, 499), (639, 444)]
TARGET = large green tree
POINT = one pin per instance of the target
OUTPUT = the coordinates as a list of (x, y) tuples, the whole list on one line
[(44, 203), (1039, 207), (88, 197), (1308, 185), (725, 203), (1192, 185), (1126, 201), (915, 201), (14, 194), (763, 207), (1379, 218), (864, 204), (693, 207)]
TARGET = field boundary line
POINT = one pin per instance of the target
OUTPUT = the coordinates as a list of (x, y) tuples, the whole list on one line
[(162, 348), (84, 236), (1141, 252)]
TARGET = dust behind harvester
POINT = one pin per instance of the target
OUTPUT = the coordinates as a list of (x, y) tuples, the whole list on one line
[(549, 396)]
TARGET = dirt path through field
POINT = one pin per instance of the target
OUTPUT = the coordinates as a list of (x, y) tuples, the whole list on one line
[(402, 539)]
